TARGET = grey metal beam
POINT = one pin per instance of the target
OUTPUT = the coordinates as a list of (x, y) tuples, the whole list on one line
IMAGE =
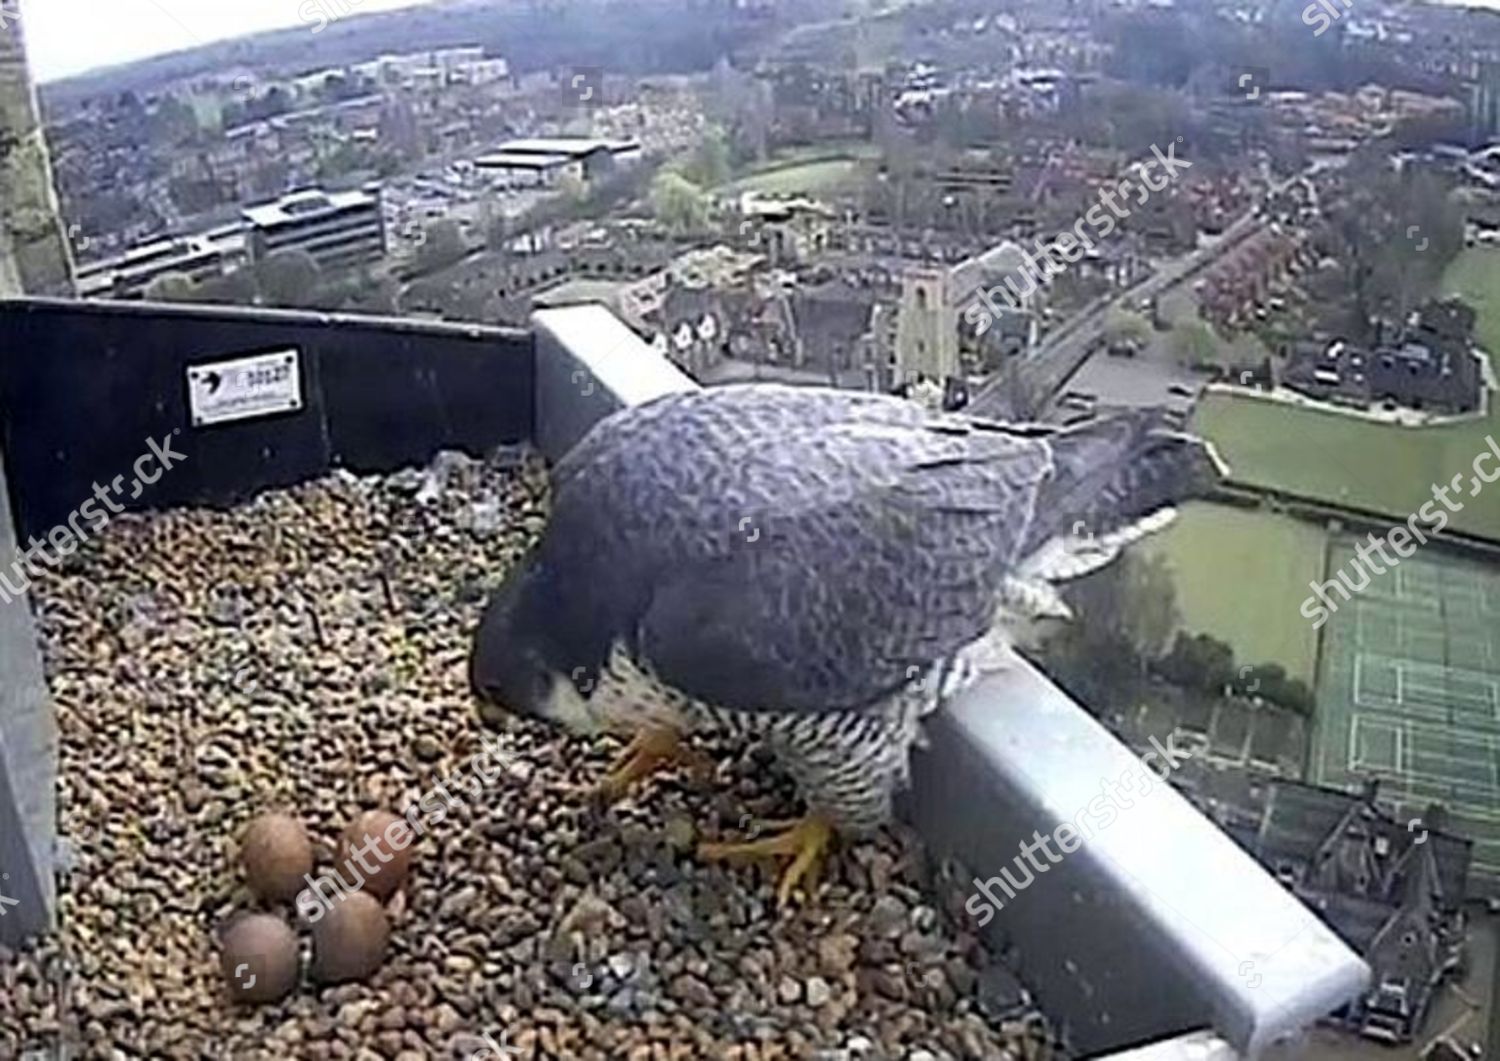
[(1157, 924), (588, 365)]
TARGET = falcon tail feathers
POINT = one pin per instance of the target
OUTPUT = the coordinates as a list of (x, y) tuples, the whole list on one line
[(1112, 477)]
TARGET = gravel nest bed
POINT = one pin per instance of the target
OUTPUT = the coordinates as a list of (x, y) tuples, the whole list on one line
[(306, 652)]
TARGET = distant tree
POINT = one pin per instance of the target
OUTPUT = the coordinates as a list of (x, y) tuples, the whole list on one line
[(344, 159), (338, 88), (289, 278), (1394, 235), (383, 297), (359, 292), (443, 245), (173, 122), (1133, 598), (269, 177), (1295, 695), (1199, 662), (1152, 614), (678, 203), (171, 287), (710, 165), (275, 102), (233, 289), (1122, 616), (1269, 681), (1194, 343), (1017, 392), (1125, 325), (195, 194)]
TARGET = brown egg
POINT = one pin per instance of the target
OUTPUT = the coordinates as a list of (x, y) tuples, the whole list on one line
[(369, 833), (260, 960), (349, 940), (276, 854)]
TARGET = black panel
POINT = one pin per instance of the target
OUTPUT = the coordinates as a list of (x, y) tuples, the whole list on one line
[(84, 386), (395, 387)]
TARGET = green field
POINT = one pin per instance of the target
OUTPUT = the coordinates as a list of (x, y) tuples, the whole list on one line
[(1242, 576), (1347, 460), (806, 178), (1475, 274), (819, 168)]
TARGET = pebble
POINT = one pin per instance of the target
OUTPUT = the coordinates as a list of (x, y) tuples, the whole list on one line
[(307, 650), (818, 991)]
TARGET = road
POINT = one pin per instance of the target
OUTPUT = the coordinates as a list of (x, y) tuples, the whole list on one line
[(1064, 351)]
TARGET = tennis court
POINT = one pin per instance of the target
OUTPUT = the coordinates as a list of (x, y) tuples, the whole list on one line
[(1409, 692)]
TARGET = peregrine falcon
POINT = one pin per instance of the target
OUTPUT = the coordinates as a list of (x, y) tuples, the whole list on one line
[(814, 568)]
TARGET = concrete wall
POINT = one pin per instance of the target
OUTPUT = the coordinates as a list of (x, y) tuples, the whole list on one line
[(28, 763), (34, 254), (34, 258)]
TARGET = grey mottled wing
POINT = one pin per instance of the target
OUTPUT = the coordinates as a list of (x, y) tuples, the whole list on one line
[(847, 555), (639, 494), (725, 417)]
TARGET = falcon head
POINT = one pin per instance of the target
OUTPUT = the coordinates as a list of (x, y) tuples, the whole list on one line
[(516, 666)]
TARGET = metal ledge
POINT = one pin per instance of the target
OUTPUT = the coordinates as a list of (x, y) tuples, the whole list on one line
[(588, 365), (1159, 925)]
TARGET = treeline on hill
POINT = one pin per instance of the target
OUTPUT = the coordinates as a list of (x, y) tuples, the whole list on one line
[(1183, 48), (1114, 650), (623, 36)]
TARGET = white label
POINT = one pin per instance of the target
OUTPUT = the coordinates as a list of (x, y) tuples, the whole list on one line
[(245, 388)]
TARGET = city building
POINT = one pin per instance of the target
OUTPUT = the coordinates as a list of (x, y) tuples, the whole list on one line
[(1392, 893), (198, 257), (942, 309), (1428, 366), (542, 163), (337, 228)]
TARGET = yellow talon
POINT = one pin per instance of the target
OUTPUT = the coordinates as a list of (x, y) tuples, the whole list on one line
[(805, 843), (651, 750)]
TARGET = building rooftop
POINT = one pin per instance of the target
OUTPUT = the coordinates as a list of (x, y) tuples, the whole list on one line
[(571, 146), (303, 204)]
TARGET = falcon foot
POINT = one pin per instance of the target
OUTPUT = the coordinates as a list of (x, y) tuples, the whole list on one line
[(651, 750), (804, 842)]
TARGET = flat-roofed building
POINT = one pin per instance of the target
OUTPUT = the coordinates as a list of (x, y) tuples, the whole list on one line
[(199, 257), (337, 228), (541, 163)]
